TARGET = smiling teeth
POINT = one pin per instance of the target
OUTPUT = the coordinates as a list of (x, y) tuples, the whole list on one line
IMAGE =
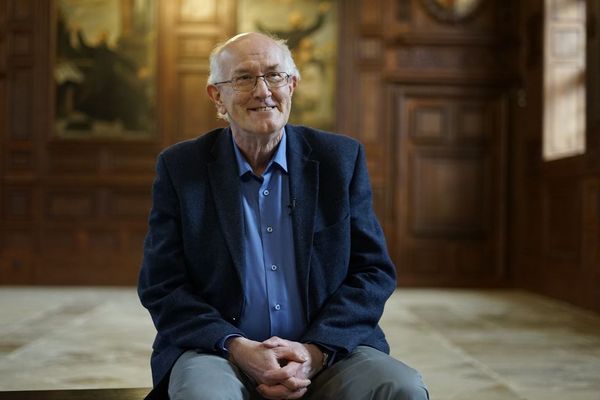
[(264, 108)]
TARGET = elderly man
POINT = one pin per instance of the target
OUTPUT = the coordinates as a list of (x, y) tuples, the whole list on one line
[(265, 269)]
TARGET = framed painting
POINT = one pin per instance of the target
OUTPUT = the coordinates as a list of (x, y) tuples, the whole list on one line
[(105, 69), (310, 28)]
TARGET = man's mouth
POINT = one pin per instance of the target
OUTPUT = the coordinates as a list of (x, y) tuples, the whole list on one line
[(266, 108)]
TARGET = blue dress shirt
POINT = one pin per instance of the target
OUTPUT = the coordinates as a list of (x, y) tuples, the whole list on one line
[(272, 303)]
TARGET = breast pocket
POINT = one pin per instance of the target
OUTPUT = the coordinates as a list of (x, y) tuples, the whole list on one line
[(331, 246), (330, 256)]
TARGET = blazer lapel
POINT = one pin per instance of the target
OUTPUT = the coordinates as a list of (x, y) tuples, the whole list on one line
[(225, 185), (304, 188)]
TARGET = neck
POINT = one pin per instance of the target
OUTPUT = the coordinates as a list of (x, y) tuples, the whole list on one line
[(258, 150)]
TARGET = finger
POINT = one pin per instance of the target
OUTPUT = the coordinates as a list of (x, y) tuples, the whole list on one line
[(295, 384), (291, 382), (297, 394), (291, 376), (290, 354), (273, 391), (279, 392), (275, 342)]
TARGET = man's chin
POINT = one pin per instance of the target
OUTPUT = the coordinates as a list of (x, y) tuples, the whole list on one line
[(267, 127)]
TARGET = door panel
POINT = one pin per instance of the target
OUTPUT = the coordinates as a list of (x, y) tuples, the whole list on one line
[(449, 180)]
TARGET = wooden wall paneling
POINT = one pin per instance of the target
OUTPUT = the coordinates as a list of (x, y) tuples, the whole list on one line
[(20, 10), (3, 40), (74, 211), (400, 47), (195, 113), (525, 191), (167, 119), (590, 243), (16, 263), (3, 114), (71, 203), (103, 241), (370, 104), (72, 159), (19, 159), (484, 20), (370, 15), (200, 26), (197, 11), (22, 44), (436, 207), (424, 49), (138, 161), (555, 207), (20, 102), (561, 223), (372, 136), (189, 29), (593, 87), (131, 204), (347, 111), (361, 115), (18, 203), (591, 224), (560, 255)]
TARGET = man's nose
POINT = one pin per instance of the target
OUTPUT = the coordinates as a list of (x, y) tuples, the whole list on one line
[(262, 87)]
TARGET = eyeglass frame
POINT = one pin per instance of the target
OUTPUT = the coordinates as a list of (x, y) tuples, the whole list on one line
[(256, 77)]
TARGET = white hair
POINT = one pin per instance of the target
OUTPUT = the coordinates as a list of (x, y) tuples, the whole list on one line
[(216, 73)]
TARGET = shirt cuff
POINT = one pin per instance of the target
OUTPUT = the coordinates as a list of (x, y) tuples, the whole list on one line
[(329, 352), (221, 348)]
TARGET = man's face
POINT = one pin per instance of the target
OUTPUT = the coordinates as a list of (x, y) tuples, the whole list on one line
[(262, 111)]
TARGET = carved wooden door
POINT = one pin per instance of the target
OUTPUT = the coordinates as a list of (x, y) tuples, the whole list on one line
[(449, 189)]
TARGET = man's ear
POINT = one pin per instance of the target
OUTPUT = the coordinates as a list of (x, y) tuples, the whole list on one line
[(293, 84), (215, 96)]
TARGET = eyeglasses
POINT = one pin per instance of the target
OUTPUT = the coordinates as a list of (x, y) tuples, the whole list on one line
[(247, 83)]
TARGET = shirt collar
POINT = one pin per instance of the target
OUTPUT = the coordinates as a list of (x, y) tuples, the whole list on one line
[(279, 158)]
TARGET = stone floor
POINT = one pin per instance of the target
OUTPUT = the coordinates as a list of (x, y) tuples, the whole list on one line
[(469, 345)]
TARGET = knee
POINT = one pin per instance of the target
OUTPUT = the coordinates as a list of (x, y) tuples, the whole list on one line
[(204, 377), (394, 390), (405, 384), (189, 392)]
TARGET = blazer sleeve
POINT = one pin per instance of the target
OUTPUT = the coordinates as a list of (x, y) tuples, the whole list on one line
[(180, 314), (351, 314)]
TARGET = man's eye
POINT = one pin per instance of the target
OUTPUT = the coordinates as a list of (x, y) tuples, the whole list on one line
[(244, 78), (273, 75)]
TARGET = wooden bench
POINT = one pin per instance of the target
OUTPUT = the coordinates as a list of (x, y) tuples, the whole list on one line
[(82, 394)]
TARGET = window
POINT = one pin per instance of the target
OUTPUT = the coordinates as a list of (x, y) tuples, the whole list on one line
[(564, 78)]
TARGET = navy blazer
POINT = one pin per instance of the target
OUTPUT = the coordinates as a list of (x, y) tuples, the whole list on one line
[(190, 279)]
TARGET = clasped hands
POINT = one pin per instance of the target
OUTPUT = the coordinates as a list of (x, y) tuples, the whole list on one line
[(281, 368)]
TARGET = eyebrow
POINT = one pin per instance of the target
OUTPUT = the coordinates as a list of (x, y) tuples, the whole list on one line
[(274, 67)]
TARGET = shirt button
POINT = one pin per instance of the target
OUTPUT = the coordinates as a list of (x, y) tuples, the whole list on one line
[(269, 229), (273, 267), (266, 192), (277, 307)]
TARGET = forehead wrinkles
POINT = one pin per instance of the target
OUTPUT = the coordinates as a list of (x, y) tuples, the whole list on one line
[(245, 55)]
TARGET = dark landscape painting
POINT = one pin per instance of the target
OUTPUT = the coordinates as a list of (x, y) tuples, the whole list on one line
[(105, 69)]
